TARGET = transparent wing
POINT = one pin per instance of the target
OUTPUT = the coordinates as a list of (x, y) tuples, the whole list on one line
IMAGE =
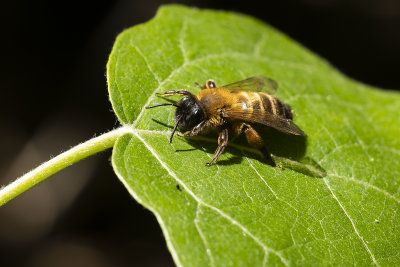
[(257, 116), (256, 83)]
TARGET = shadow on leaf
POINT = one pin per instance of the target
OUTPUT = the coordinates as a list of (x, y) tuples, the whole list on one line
[(287, 150)]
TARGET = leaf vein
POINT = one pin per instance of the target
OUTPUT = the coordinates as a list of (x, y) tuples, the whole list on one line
[(181, 41), (258, 44), (351, 221), (339, 147), (273, 192), (202, 236), (147, 63), (259, 175), (352, 179)]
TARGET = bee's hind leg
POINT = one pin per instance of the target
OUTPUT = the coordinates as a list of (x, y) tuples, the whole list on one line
[(254, 140)]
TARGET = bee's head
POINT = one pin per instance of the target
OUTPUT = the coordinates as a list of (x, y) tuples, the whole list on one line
[(188, 113)]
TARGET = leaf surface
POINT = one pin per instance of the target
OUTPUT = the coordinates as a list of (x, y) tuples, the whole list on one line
[(242, 212)]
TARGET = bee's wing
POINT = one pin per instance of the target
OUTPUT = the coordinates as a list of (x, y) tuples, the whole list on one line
[(257, 116), (256, 83)]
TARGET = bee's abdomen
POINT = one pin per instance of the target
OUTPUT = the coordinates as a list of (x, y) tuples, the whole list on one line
[(266, 104)]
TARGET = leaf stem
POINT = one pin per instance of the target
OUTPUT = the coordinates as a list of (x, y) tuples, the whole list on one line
[(75, 154)]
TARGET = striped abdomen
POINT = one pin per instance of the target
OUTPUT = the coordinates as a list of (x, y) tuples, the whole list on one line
[(264, 102)]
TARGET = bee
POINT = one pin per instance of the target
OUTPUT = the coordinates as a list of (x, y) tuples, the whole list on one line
[(231, 108)]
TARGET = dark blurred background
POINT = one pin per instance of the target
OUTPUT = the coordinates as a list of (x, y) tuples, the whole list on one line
[(53, 96)]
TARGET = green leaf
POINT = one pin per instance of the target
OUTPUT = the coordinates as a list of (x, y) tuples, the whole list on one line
[(241, 211)]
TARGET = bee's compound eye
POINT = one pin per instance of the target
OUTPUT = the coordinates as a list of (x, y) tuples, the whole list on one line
[(211, 84)]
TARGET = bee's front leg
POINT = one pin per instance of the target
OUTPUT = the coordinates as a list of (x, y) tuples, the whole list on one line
[(196, 130), (175, 92)]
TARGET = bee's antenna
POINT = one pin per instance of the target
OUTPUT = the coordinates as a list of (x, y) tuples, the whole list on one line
[(173, 131), (164, 104)]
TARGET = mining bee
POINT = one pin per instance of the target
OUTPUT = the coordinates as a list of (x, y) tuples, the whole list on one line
[(230, 107)]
